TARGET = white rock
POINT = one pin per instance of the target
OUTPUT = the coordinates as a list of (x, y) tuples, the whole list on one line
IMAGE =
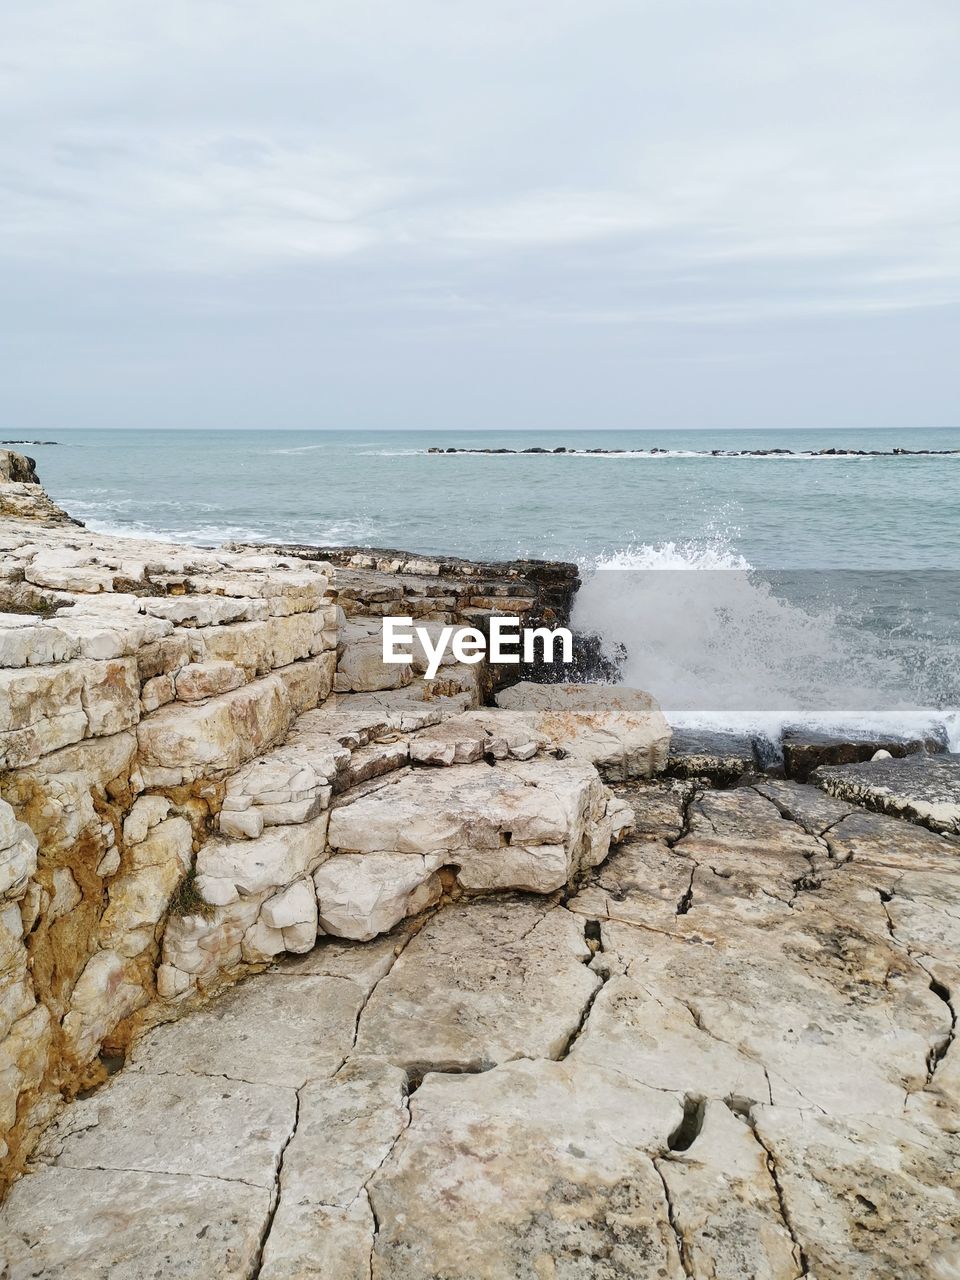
[(200, 680), (622, 731), (297, 904), (362, 895), (18, 853)]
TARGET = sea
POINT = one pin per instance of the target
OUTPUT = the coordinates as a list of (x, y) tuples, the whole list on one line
[(745, 592)]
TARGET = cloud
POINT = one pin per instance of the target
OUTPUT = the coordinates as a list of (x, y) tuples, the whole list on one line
[(536, 170)]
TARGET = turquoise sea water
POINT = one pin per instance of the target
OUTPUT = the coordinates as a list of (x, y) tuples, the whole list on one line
[(383, 489), (824, 590)]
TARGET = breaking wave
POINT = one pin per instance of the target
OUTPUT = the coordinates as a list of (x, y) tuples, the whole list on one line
[(724, 646)]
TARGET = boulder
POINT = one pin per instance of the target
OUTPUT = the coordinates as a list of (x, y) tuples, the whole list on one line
[(622, 731)]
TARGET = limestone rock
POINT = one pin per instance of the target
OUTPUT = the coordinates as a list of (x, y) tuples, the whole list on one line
[(178, 1124), (506, 979), (363, 963), (229, 868), (18, 854), (360, 665), (531, 1169), (55, 1225), (523, 824), (290, 784), (294, 912), (776, 995), (308, 1241), (200, 680), (866, 1196), (474, 735), (724, 1202), (278, 1030), (656, 1041), (622, 731), (106, 992), (362, 895), (184, 741), (138, 901), (920, 788)]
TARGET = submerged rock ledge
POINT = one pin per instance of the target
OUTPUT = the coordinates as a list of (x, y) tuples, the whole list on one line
[(516, 1003)]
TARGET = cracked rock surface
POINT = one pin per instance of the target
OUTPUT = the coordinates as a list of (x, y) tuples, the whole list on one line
[(730, 1053)]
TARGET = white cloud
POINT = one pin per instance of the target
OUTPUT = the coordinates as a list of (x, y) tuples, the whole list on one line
[(568, 163)]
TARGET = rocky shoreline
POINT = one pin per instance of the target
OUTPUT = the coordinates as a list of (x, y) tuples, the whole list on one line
[(711, 453), (360, 974)]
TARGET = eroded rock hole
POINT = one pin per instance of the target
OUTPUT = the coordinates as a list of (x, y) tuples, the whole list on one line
[(688, 1130)]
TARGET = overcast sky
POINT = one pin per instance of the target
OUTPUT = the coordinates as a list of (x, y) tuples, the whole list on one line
[(432, 213)]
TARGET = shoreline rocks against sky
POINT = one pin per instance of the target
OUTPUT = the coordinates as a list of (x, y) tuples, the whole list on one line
[(668, 1012), (654, 451)]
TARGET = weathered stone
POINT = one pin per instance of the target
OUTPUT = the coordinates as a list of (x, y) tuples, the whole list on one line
[(805, 750), (29, 642), (360, 664), (363, 963), (622, 731), (473, 735), (781, 993), (523, 824), (277, 1030), (866, 1196), (106, 992), (217, 736), (147, 812), (532, 1169), (200, 680), (642, 883), (656, 1041), (507, 979), (54, 1226), (309, 682), (920, 788), (724, 1202), (178, 1124), (260, 647), (18, 854), (362, 895), (138, 901), (293, 905), (722, 759), (227, 869), (308, 1241)]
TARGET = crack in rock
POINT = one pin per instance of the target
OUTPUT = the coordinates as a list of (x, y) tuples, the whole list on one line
[(592, 935), (685, 1261), (275, 1199), (781, 1196), (940, 1049)]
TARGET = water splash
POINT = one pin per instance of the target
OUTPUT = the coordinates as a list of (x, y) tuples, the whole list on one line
[(724, 646)]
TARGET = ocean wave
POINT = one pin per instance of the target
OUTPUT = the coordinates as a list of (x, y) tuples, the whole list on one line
[(722, 645), (303, 448)]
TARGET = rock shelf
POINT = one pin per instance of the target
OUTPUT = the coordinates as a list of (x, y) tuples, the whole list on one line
[(353, 975)]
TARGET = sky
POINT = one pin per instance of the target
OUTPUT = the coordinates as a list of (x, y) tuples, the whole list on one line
[(433, 213)]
